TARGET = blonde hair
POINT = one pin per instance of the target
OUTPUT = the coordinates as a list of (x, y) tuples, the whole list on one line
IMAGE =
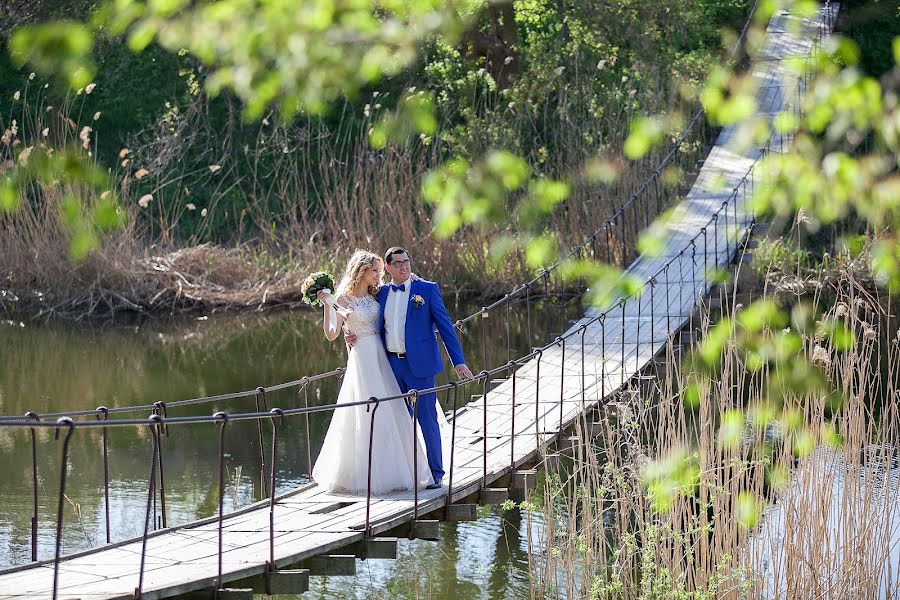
[(359, 263)]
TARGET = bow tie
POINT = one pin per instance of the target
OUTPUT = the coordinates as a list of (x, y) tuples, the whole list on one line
[(398, 288)]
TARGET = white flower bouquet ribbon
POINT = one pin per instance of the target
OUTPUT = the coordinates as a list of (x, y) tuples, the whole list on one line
[(328, 297)]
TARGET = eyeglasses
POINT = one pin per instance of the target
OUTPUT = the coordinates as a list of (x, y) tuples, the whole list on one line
[(400, 263)]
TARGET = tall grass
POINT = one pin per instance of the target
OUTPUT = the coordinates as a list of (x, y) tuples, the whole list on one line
[(807, 506), (301, 198)]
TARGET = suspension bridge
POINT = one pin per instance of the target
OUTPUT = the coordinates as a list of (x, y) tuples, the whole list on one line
[(523, 409)]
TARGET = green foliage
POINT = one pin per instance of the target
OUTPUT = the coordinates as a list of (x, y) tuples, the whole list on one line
[(678, 473), (61, 47), (276, 53)]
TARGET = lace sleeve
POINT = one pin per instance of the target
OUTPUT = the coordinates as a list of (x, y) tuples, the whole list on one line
[(345, 301)]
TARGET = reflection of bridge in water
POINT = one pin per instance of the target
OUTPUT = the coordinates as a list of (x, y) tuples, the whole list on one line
[(522, 410)]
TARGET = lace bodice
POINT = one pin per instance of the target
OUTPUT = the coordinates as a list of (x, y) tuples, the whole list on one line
[(363, 318)]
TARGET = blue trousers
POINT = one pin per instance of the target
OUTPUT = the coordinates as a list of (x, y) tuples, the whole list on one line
[(427, 412)]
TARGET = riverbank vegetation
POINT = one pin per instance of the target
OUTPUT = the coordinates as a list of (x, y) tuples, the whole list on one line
[(727, 494), (220, 212)]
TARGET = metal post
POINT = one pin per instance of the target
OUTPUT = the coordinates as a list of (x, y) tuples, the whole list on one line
[(103, 415), (547, 301), (715, 220), (414, 398), (508, 319), (622, 361), (562, 380), (154, 421), (602, 319), (652, 282), (583, 385), (224, 417), (455, 387), (160, 408), (537, 402), (668, 301), (261, 407), (484, 398), (528, 314), (157, 432), (484, 317), (34, 485), (637, 339), (276, 412), (369, 471), (512, 440), (304, 383), (63, 469)]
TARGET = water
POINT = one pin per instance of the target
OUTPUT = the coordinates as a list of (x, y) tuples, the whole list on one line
[(64, 367), (836, 528)]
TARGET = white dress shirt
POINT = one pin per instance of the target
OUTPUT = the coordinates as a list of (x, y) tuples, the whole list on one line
[(395, 318)]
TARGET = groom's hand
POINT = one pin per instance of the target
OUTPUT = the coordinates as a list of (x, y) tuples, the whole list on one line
[(349, 337), (463, 372)]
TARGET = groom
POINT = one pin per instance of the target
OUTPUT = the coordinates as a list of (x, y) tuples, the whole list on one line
[(410, 312)]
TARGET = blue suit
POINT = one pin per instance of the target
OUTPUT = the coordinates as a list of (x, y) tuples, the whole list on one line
[(423, 357)]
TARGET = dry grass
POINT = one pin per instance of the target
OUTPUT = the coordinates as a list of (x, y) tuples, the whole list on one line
[(291, 210), (825, 521)]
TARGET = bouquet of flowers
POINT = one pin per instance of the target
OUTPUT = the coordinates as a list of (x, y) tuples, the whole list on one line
[(320, 281), (315, 282)]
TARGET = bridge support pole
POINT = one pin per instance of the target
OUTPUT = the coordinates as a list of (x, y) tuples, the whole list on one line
[(376, 547), (457, 513), (522, 483), (493, 496), (331, 564)]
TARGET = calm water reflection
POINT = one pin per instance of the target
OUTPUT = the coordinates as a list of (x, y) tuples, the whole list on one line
[(62, 367)]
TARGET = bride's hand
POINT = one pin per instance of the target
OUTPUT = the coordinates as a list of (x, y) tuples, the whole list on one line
[(321, 296), (413, 277)]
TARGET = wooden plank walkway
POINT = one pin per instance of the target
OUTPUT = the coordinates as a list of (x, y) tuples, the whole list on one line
[(310, 522)]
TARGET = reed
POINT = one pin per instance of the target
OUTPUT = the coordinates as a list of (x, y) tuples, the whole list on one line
[(806, 506), (214, 223)]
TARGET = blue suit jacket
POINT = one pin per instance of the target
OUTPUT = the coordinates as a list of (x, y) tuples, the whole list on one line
[(422, 350)]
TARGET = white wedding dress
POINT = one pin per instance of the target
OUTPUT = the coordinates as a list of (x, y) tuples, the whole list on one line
[(342, 465)]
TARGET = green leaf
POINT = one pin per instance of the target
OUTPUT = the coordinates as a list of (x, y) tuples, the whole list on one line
[(378, 137), (61, 48), (804, 443), (785, 123), (731, 429), (713, 346), (83, 242), (737, 108), (761, 314), (645, 133), (692, 395), (541, 251), (747, 510), (106, 215), (72, 215), (842, 338), (9, 196), (512, 170)]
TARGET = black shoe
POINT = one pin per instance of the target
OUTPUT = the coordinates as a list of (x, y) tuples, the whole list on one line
[(437, 483)]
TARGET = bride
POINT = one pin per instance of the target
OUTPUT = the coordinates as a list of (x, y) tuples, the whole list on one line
[(343, 462)]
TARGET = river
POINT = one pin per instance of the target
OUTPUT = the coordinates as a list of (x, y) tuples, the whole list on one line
[(64, 367)]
